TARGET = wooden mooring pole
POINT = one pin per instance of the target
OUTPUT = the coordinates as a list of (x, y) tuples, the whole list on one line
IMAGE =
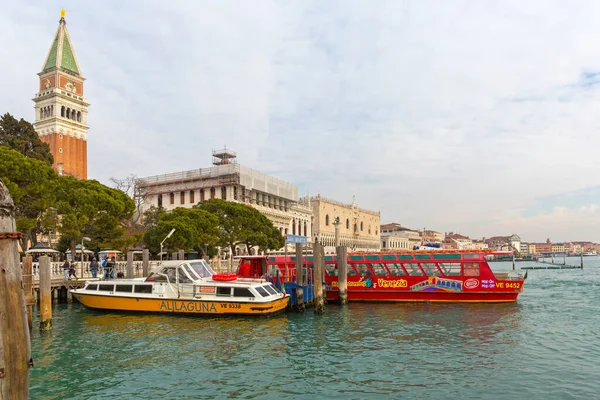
[(318, 261), (299, 307), (129, 269), (28, 286), (15, 345), (45, 294), (145, 262), (342, 254), (581, 255)]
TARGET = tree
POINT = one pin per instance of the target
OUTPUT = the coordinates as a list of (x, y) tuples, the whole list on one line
[(131, 185), (242, 224), (88, 208), (31, 184), (194, 229), (152, 216), (22, 137)]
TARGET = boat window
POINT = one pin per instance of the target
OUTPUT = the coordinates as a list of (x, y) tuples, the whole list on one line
[(91, 287), (331, 269), (202, 269), (106, 288), (413, 270), (183, 278), (171, 274), (471, 256), (363, 269), (471, 269), (275, 288), (242, 292), (142, 289), (396, 269), (351, 271), (157, 277), (450, 269), (223, 291), (124, 288), (261, 291), (270, 289), (430, 269), (190, 272), (379, 270)]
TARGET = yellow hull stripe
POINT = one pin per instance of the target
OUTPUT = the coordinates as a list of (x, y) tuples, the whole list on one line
[(199, 307)]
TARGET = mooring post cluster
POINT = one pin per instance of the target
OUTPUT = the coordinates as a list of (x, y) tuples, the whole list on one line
[(15, 346)]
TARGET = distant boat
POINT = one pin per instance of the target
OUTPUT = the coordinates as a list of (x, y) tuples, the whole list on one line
[(590, 253)]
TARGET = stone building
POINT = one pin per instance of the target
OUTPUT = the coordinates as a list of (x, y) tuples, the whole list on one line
[(61, 108), (228, 180), (358, 227), (396, 237)]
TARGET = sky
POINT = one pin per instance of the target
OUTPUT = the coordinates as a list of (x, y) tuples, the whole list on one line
[(477, 117)]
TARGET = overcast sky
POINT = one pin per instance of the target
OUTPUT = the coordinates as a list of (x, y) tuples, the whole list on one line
[(480, 117)]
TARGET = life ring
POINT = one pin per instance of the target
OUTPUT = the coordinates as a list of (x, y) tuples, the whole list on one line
[(224, 277)]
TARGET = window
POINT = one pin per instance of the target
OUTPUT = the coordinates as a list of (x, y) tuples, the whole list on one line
[(106, 288), (351, 271), (142, 289), (270, 289), (223, 291), (172, 198), (304, 228), (347, 223), (202, 269), (182, 198), (124, 288), (159, 200), (60, 150), (379, 270), (331, 269), (430, 269), (327, 220), (212, 192), (171, 273), (396, 269), (362, 269), (242, 292), (223, 193), (183, 278), (413, 270), (201, 194), (450, 269), (91, 287), (261, 291), (471, 269), (361, 226), (275, 288)]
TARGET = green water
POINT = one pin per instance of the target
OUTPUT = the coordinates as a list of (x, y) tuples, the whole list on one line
[(543, 346)]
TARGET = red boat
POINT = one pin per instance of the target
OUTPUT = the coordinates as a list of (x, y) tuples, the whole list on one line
[(417, 276)]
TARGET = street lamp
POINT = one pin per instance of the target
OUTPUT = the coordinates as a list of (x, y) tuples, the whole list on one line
[(161, 243)]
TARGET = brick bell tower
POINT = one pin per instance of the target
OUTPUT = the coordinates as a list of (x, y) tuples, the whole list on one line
[(60, 108)]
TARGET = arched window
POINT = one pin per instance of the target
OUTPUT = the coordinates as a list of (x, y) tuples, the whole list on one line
[(224, 193), (201, 194), (361, 226), (41, 113), (327, 220), (62, 111), (73, 115), (304, 228), (212, 192), (78, 116), (299, 228), (347, 223), (68, 113), (51, 111), (293, 227), (172, 198), (192, 199), (355, 228)]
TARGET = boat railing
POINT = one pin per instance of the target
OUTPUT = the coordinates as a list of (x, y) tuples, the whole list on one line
[(509, 276)]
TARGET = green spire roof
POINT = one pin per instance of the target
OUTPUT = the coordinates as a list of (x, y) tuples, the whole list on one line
[(61, 54)]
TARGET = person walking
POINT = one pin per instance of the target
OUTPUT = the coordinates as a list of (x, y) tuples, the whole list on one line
[(94, 267), (109, 269), (66, 267), (72, 271)]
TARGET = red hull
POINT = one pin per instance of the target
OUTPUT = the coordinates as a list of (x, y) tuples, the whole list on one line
[(424, 297)]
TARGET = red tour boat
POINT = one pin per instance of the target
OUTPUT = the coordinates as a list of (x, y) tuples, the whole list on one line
[(416, 276)]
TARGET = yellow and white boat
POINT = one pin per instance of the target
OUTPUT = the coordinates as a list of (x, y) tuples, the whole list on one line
[(187, 287)]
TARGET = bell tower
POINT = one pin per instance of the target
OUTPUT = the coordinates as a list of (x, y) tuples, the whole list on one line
[(60, 106)]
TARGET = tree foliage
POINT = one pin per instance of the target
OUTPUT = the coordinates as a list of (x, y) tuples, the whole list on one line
[(22, 137), (194, 229), (31, 184), (88, 208), (242, 224)]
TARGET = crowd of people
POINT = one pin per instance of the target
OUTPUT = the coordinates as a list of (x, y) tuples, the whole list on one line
[(105, 267)]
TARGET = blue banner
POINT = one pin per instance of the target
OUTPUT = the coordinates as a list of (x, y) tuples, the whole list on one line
[(295, 239)]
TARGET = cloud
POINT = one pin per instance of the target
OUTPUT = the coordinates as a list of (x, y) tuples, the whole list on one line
[(450, 115)]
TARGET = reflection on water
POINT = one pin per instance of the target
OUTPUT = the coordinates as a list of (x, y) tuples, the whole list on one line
[(543, 346)]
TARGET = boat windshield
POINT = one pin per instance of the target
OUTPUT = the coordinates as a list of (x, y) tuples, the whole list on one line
[(202, 269)]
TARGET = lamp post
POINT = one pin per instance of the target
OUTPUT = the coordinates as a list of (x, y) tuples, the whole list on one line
[(163, 241), (336, 224), (87, 239)]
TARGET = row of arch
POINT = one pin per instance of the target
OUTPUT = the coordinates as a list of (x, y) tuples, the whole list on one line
[(355, 228), (46, 112), (212, 192), (67, 112)]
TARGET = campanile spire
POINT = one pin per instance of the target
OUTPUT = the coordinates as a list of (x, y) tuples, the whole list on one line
[(60, 106)]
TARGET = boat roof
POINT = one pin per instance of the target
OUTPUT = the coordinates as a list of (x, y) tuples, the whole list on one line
[(398, 252)]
